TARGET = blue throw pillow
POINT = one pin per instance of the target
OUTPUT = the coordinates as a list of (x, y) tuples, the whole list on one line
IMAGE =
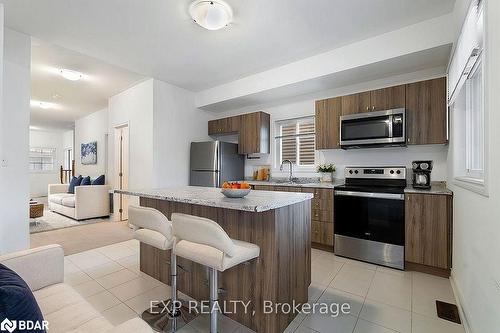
[(75, 181), (85, 181), (99, 180), (17, 301)]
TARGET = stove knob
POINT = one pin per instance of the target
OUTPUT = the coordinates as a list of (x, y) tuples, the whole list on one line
[(392, 172), (398, 172), (350, 171), (356, 172)]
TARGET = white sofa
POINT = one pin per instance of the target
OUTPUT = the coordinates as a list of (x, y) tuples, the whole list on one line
[(66, 311), (89, 201)]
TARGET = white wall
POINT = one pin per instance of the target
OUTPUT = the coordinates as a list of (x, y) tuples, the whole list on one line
[(93, 127), (176, 124), (382, 156), (14, 124), (39, 181), (134, 107), (476, 229)]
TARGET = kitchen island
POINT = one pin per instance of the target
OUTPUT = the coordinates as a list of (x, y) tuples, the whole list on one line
[(278, 222)]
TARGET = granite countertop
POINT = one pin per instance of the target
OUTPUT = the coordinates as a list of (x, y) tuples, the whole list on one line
[(255, 201), (336, 182), (436, 188)]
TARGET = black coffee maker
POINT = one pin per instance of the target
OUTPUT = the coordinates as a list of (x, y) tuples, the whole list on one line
[(422, 174)]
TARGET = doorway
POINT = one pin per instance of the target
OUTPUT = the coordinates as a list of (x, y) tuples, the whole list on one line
[(121, 161)]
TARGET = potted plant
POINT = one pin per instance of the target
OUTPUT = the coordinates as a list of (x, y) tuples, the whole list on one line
[(326, 171)]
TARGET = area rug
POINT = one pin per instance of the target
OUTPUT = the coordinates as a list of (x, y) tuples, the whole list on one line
[(53, 221)]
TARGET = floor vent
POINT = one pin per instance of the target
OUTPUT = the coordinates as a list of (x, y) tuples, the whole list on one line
[(448, 312)]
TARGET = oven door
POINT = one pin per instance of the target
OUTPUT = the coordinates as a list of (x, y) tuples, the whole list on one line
[(370, 216), (372, 128)]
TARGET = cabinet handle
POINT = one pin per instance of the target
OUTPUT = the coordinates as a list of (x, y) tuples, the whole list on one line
[(373, 108), (367, 108)]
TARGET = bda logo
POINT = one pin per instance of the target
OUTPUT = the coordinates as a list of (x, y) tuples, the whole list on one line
[(8, 325)]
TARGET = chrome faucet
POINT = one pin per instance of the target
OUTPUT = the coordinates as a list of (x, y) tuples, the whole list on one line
[(291, 169)]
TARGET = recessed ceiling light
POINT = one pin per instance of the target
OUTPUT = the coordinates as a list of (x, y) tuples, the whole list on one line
[(42, 105), (71, 75), (211, 15)]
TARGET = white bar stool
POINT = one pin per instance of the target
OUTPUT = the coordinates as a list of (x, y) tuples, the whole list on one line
[(205, 242), (153, 228)]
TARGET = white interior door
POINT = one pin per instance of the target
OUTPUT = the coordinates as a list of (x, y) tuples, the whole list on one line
[(121, 160)]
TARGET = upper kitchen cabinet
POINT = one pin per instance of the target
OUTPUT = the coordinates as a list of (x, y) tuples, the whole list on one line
[(375, 100), (254, 133), (229, 125), (426, 120), (356, 103), (388, 98), (328, 112)]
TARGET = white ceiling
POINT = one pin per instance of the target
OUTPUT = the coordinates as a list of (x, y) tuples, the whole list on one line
[(435, 58), (71, 99), (157, 38)]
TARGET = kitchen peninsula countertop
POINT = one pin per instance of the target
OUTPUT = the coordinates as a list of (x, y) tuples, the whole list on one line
[(255, 201)]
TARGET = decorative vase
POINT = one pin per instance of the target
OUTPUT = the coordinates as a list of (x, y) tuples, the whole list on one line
[(326, 177)]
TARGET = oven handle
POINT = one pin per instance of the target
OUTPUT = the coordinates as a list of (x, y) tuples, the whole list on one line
[(391, 196)]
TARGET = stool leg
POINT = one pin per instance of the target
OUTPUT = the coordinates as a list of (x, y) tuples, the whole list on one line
[(213, 300), (173, 276)]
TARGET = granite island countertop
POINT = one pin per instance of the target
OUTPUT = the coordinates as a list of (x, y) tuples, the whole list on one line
[(255, 201)]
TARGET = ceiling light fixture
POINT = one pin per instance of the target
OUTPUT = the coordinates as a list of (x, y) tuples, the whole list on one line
[(71, 75), (42, 105), (211, 15)]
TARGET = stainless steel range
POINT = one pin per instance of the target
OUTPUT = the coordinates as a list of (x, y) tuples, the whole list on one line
[(370, 215)]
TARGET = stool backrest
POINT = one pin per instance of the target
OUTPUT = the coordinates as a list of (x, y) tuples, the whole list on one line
[(202, 231), (150, 218)]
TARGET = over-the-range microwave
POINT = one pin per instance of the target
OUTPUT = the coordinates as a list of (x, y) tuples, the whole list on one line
[(373, 129)]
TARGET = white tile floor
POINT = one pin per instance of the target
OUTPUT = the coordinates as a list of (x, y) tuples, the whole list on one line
[(381, 299)]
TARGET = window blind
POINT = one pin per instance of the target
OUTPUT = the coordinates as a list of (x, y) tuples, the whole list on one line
[(296, 141), (42, 159)]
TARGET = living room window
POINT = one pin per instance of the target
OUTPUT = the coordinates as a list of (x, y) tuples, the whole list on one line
[(42, 159), (295, 141)]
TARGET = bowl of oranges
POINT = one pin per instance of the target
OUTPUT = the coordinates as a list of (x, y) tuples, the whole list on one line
[(235, 189)]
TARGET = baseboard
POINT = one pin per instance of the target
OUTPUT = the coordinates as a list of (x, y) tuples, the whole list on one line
[(460, 302), (411, 266), (322, 247)]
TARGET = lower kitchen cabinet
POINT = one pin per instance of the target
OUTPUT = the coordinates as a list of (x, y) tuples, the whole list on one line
[(428, 223), (321, 213)]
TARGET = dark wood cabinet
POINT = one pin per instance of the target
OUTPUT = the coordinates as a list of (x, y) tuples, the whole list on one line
[(253, 129), (356, 103), (255, 133), (229, 125), (374, 100), (428, 223), (328, 112), (424, 101), (426, 112), (388, 98), (321, 213)]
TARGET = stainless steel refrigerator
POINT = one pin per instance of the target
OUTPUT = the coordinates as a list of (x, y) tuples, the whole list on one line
[(214, 162)]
